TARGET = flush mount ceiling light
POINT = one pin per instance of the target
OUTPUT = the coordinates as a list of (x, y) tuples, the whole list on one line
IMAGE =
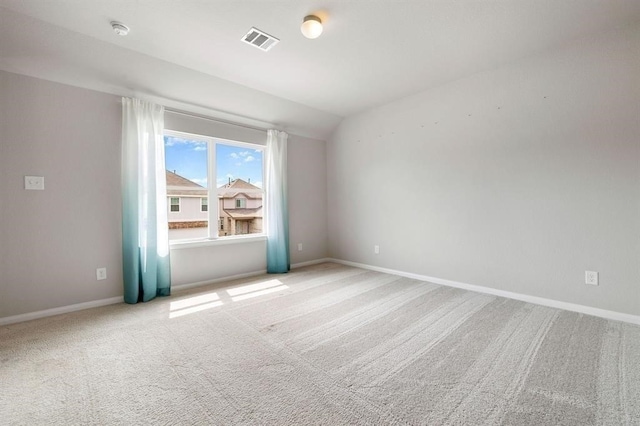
[(120, 28), (311, 26)]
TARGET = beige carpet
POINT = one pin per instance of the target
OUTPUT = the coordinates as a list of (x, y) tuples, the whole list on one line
[(327, 344)]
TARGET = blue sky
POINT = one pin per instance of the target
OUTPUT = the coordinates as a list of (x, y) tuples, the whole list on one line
[(188, 158)]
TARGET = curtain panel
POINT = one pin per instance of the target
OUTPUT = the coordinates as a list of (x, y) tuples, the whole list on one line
[(145, 234), (276, 203)]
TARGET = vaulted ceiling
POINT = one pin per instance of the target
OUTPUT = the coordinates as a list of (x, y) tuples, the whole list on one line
[(189, 53)]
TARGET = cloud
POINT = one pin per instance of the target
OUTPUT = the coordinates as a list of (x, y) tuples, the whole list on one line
[(238, 164), (200, 148), (249, 158), (236, 155), (172, 140)]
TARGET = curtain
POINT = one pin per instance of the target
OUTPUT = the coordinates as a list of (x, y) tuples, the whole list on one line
[(145, 234), (276, 203)]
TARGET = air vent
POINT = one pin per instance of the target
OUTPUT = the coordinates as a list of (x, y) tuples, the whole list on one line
[(260, 39)]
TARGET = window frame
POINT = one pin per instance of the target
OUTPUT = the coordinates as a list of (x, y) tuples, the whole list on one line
[(202, 204), (171, 205), (213, 215)]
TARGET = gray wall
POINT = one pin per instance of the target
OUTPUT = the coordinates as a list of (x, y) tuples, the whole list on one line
[(518, 179), (307, 173), (52, 241)]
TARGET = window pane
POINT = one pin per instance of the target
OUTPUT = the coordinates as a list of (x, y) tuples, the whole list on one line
[(239, 180), (186, 164)]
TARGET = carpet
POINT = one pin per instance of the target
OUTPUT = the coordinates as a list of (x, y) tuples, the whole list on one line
[(327, 344)]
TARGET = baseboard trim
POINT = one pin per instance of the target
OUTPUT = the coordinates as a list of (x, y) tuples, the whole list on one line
[(113, 300), (310, 262), (217, 280), (61, 310), (602, 313), (244, 275)]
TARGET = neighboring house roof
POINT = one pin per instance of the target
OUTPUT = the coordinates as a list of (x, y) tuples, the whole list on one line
[(239, 186), (244, 213), (179, 185)]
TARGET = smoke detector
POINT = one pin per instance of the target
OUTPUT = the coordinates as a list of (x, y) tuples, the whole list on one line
[(120, 28), (260, 39)]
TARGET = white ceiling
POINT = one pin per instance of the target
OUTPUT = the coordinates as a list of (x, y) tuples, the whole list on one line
[(371, 52)]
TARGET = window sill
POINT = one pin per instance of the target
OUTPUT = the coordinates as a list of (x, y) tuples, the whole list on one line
[(207, 242)]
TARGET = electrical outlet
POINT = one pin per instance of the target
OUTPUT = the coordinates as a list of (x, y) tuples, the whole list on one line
[(101, 274), (376, 249), (591, 277), (299, 246)]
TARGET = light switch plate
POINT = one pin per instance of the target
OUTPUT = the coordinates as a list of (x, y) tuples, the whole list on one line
[(34, 183)]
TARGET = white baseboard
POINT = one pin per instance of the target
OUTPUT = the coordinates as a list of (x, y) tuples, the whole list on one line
[(602, 313), (217, 280), (245, 275), (113, 300), (61, 310), (310, 262)]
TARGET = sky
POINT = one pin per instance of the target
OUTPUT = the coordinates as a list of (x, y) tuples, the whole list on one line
[(188, 158)]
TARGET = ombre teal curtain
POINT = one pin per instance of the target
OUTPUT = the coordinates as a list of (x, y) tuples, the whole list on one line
[(276, 203), (145, 234)]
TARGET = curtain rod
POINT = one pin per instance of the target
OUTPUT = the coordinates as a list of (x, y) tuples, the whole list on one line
[(217, 120)]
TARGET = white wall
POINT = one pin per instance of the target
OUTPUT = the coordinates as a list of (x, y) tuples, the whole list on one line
[(52, 241), (518, 179)]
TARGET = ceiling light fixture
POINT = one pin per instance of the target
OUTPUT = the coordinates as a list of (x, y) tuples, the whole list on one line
[(120, 28), (311, 26)]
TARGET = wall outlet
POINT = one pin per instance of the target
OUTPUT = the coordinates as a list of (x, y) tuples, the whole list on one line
[(376, 249), (591, 277), (34, 182), (101, 274), (299, 246)]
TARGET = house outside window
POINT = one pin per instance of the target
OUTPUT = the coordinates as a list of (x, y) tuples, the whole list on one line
[(175, 204), (202, 168)]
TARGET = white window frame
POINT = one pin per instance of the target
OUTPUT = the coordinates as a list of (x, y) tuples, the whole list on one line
[(241, 203), (203, 204), (213, 215)]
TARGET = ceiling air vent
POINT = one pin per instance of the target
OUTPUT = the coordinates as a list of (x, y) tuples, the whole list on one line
[(260, 39)]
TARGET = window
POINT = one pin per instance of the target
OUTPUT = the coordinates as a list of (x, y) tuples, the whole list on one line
[(202, 168), (175, 204)]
